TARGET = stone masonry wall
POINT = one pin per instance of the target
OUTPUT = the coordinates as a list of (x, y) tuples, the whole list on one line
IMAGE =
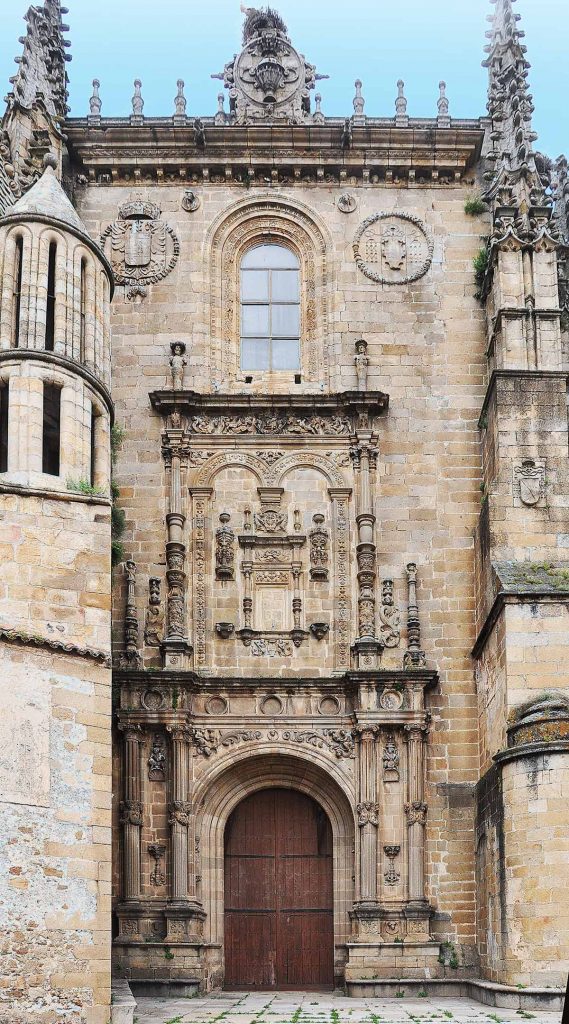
[(426, 347)]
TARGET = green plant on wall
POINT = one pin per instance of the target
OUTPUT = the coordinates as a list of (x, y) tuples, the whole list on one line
[(117, 514), (474, 206), (480, 264)]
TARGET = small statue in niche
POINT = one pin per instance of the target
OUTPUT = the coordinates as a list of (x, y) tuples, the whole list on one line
[(319, 556), (361, 361), (178, 363), (157, 760), (154, 625), (224, 549), (389, 616)]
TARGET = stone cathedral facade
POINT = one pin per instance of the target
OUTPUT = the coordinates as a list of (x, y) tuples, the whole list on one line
[(329, 743)]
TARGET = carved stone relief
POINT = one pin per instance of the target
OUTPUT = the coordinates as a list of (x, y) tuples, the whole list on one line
[(389, 617), (271, 423), (143, 248), (157, 760), (529, 481), (154, 624), (224, 549), (393, 248), (390, 760), (319, 549)]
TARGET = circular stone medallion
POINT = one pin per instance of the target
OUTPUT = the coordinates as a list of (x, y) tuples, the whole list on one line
[(153, 700), (272, 705), (393, 248), (329, 706), (216, 705), (391, 700)]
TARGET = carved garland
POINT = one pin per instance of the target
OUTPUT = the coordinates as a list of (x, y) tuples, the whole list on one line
[(339, 742), (266, 220)]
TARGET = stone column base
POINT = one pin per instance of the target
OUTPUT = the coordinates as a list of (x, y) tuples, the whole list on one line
[(184, 921)]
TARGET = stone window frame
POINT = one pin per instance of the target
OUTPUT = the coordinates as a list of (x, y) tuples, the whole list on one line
[(268, 219)]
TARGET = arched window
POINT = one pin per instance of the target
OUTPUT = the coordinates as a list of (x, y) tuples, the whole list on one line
[(17, 292), (50, 306), (270, 309), (83, 310)]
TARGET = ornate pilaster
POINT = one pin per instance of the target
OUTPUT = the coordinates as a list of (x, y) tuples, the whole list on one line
[(130, 657), (367, 647), (342, 601), (176, 648), (367, 813), (131, 812), (416, 813), (184, 914), (414, 657)]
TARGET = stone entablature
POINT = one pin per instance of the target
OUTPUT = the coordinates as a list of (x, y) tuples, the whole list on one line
[(420, 153)]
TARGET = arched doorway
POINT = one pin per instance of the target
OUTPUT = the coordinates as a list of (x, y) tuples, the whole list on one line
[(279, 930)]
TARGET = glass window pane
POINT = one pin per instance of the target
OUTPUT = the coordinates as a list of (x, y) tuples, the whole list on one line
[(269, 256), (285, 321), (255, 285), (286, 355), (255, 321), (254, 354), (284, 286)]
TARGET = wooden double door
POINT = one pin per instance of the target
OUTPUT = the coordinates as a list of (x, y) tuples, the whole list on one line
[(279, 930)]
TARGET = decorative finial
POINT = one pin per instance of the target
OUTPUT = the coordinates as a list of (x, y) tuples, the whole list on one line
[(180, 101), (318, 116), (220, 116), (443, 119), (359, 102), (401, 118), (95, 100), (137, 100), (50, 160)]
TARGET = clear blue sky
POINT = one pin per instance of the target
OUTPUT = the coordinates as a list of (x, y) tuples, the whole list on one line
[(379, 41)]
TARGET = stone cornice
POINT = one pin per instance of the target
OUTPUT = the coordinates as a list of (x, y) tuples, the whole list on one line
[(375, 147), (498, 375), (190, 403), (53, 359), (22, 218), (530, 750), (514, 597), (18, 636)]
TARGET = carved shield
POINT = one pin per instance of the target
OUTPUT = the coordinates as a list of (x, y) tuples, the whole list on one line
[(530, 488)]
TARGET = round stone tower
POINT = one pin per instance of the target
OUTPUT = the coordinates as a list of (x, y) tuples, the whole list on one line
[(55, 600), (56, 287)]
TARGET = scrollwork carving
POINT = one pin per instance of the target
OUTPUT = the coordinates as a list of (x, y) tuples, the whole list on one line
[(319, 549)]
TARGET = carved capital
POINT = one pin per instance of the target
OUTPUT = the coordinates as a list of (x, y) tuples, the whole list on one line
[(179, 813), (131, 812), (368, 813), (416, 813)]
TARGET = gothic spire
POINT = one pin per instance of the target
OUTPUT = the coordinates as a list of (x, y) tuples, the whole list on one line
[(510, 105), (514, 177), (41, 74)]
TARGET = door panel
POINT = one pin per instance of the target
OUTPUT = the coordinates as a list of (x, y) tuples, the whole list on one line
[(279, 929)]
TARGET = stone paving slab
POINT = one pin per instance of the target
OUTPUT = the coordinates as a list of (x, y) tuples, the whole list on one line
[(316, 1008)]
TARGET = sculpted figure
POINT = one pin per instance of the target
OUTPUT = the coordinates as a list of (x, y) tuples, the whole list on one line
[(178, 363)]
